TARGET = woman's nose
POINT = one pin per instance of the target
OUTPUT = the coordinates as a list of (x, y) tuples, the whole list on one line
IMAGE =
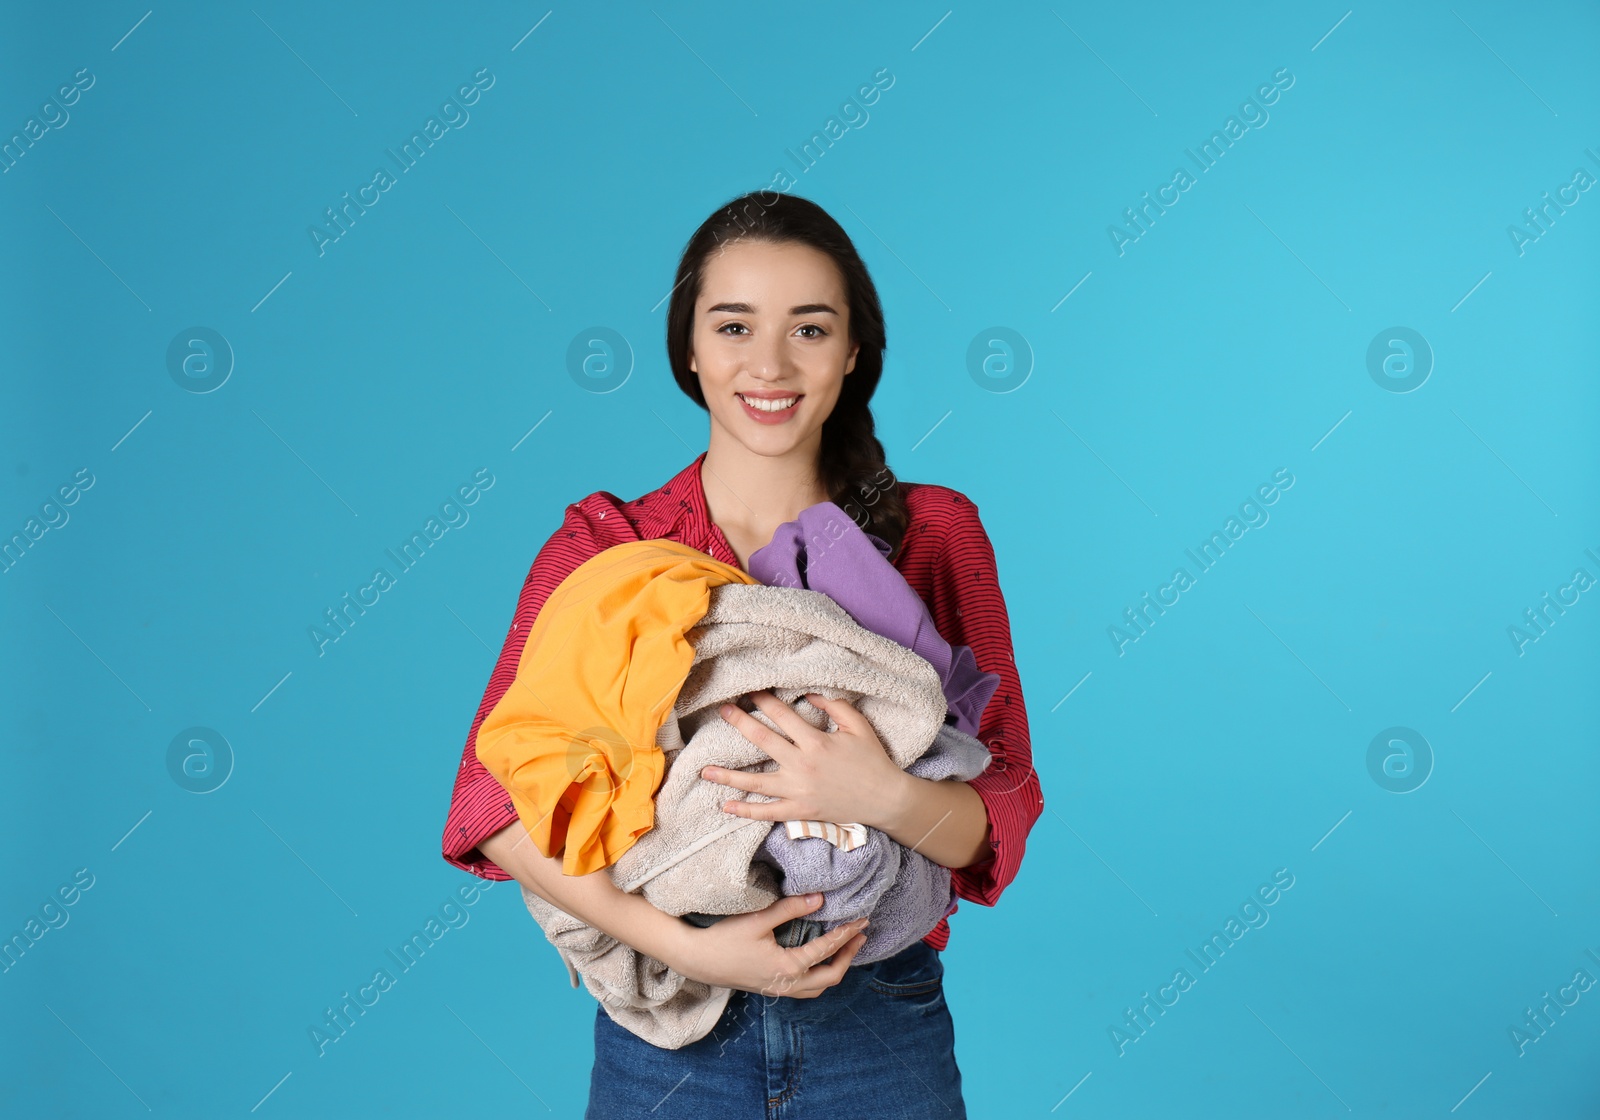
[(767, 358)]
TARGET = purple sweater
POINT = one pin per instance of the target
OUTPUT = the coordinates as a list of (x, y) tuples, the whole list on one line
[(824, 550)]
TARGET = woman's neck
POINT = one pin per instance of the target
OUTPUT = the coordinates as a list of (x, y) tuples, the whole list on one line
[(750, 495)]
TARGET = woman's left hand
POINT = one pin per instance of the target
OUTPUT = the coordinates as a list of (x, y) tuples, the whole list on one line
[(839, 776)]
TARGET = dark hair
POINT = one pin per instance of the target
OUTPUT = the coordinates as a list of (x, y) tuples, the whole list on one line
[(851, 463)]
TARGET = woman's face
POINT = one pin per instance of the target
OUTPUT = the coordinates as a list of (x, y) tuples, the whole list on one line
[(771, 322)]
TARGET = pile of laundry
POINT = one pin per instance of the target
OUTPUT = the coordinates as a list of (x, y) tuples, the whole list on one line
[(613, 712)]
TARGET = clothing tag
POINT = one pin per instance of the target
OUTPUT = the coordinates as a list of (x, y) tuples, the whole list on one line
[(845, 837)]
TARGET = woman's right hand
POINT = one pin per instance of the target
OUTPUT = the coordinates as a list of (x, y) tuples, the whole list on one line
[(740, 951)]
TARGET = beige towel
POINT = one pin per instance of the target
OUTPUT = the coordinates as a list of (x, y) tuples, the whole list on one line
[(698, 858)]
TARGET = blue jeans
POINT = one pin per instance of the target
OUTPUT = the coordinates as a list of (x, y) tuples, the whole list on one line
[(879, 1043)]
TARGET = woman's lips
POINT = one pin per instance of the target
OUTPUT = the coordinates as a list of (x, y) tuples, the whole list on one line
[(780, 417)]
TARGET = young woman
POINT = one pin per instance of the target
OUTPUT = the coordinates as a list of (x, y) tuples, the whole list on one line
[(775, 329)]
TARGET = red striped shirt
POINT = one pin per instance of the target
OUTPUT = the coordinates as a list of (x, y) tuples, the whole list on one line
[(947, 557)]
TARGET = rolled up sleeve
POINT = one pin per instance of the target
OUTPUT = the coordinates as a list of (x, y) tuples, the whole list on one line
[(970, 610)]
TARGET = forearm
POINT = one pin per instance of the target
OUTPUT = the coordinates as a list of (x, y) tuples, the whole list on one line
[(944, 820), (593, 898)]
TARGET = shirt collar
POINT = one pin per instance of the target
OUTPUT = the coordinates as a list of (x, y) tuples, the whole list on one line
[(678, 511)]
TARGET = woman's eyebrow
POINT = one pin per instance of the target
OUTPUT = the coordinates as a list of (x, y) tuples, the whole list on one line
[(801, 309)]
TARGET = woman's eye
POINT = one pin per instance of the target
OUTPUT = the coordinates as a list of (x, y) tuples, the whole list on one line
[(741, 329)]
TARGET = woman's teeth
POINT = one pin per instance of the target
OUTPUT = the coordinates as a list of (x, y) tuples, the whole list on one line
[(777, 405)]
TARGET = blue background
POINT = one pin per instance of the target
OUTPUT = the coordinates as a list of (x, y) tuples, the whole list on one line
[(431, 340)]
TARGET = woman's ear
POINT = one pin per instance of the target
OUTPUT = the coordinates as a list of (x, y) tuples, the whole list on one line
[(854, 350)]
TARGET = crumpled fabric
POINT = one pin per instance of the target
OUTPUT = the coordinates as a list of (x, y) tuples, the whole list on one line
[(700, 859), (904, 892), (573, 740), (824, 550)]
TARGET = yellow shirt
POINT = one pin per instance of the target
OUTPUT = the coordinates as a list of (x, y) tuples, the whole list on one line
[(573, 740)]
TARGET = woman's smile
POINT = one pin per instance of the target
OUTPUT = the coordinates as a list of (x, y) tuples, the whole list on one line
[(773, 406)]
